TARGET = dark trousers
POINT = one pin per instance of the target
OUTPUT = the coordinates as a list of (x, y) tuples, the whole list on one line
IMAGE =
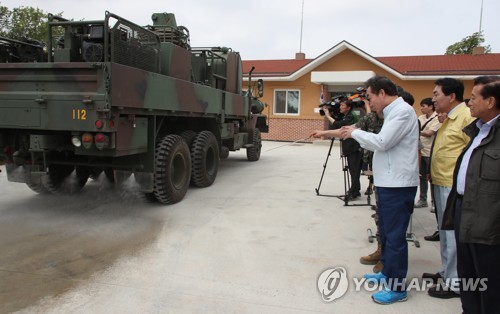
[(435, 211), (354, 166), (425, 166), (476, 261), (395, 208)]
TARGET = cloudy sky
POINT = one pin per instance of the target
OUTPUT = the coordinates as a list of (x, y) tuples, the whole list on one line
[(271, 29)]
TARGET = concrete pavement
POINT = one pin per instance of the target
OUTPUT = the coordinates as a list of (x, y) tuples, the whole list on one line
[(254, 242)]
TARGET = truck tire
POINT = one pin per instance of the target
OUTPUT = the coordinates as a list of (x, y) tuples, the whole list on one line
[(148, 197), (224, 152), (34, 182), (204, 159), (253, 152), (188, 136), (94, 173), (172, 169), (55, 181), (110, 175), (38, 187)]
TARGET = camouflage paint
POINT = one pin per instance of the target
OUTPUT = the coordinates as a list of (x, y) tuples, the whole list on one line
[(49, 102)]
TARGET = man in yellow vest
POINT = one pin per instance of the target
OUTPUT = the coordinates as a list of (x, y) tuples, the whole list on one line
[(449, 142)]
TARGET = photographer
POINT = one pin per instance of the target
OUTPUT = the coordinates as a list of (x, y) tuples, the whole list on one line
[(350, 148)]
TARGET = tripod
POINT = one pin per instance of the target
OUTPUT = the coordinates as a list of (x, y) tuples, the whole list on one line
[(347, 179), (410, 236), (324, 167)]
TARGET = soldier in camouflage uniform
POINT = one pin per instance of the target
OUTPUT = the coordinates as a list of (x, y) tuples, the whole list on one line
[(371, 122)]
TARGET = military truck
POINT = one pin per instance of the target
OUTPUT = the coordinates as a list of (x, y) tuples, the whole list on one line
[(23, 50), (128, 102)]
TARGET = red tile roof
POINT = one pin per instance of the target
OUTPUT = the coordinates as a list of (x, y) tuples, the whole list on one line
[(445, 64), (406, 65), (274, 67)]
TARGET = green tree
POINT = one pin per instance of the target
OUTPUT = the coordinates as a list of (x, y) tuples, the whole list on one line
[(25, 22), (29, 22), (466, 45), (4, 20)]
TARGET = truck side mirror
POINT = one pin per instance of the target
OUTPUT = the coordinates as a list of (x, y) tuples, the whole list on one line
[(260, 87)]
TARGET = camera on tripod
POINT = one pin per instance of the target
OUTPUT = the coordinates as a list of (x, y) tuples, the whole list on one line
[(357, 98), (333, 107)]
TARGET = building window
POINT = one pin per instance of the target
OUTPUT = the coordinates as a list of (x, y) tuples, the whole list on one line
[(286, 102)]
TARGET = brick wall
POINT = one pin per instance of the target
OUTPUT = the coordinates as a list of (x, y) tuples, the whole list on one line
[(292, 130)]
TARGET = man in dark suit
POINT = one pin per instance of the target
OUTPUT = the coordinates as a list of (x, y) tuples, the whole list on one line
[(473, 206)]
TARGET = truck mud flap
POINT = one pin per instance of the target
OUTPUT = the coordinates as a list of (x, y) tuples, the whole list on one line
[(262, 124)]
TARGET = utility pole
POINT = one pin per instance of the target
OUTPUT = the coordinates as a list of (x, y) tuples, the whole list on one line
[(301, 26), (481, 18)]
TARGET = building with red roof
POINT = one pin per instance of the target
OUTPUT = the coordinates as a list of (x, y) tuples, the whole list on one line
[(292, 88)]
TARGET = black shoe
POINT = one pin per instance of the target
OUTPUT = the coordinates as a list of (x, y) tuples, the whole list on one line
[(352, 196), (442, 292), (433, 237), (435, 277), (349, 198)]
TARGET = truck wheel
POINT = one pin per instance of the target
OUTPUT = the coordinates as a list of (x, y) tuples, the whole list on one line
[(58, 180), (37, 187), (172, 169), (253, 152), (188, 136), (224, 152), (204, 159), (34, 182), (110, 175), (148, 197), (94, 173)]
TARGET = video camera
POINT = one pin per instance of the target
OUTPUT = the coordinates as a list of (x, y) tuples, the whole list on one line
[(355, 100), (333, 107)]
